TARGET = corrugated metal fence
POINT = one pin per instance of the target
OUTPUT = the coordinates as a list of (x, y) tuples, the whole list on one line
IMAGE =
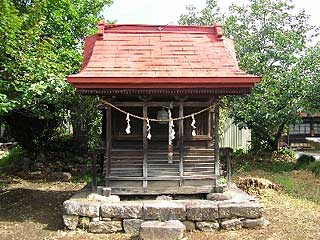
[(235, 138)]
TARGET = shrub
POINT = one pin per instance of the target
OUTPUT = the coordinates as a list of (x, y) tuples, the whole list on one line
[(239, 153), (305, 160), (283, 155), (314, 167), (14, 155)]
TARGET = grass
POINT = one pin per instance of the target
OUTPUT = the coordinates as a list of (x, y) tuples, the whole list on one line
[(13, 155), (300, 181), (87, 178), (299, 184), (314, 167), (294, 212), (265, 165)]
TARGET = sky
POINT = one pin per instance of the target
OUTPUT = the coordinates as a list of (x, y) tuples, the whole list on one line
[(169, 11)]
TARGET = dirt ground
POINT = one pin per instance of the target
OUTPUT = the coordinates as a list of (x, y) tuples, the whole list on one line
[(32, 210)]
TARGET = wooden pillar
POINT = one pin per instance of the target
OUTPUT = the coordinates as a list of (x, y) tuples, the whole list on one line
[(94, 171), (145, 146), (108, 142), (215, 120), (212, 102), (181, 144), (103, 141), (103, 132)]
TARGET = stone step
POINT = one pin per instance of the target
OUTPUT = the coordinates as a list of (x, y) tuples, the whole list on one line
[(155, 230)]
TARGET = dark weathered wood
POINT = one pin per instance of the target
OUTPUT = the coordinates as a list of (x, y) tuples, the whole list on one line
[(159, 104), (181, 143), (165, 177), (145, 164), (103, 132), (108, 143), (145, 146), (216, 139), (165, 92), (164, 137), (94, 172), (212, 102), (129, 162), (163, 190), (160, 131), (210, 124)]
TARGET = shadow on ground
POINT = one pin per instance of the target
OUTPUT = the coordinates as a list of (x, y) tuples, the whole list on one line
[(28, 205)]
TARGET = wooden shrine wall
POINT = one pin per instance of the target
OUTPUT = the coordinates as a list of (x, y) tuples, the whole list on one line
[(158, 131), (131, 172)]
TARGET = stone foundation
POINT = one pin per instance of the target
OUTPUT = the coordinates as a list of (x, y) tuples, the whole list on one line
[(146, 217)]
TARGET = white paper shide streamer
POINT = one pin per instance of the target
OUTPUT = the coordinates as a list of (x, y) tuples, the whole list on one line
[(128, 129), (171, 128), (193, 125), (148, 129), (171, 137), (170, 121)]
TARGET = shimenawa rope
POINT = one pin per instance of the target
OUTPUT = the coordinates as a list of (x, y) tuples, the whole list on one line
[(154, 119)]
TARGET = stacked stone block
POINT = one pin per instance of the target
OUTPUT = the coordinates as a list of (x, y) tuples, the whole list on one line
[(149, 217)]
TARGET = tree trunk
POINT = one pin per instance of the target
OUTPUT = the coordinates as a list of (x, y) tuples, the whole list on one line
[(275, 143)]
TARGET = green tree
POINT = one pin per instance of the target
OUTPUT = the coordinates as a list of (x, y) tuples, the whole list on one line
[(206, 17), (310, 65), (271, 40), (40, 44)]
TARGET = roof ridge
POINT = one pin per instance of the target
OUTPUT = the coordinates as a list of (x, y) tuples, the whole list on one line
[(105, 27)]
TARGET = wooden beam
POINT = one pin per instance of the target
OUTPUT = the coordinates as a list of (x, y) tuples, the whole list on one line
[(163, 190), (166, 178), (108, 143), (159, 104), (215, 119), (161, 137), (145, 146), (181, 143)]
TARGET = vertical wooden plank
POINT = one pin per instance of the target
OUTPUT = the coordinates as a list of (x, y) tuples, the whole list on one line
[(103, 142), (103, 132), (210, 119), (181, 143), (145, 146), (209, 123), (94, 171), (216, 139), (108, 144)]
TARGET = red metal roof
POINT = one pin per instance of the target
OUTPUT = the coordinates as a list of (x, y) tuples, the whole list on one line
[(160, 56)]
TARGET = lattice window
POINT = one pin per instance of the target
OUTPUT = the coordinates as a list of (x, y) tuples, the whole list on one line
[(303, 128)]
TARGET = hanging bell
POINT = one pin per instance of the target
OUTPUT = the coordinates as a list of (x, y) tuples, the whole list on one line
[(163, 115)]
